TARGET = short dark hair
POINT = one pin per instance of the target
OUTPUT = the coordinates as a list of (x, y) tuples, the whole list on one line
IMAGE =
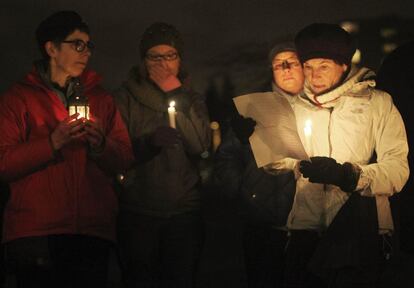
[(57, 27)]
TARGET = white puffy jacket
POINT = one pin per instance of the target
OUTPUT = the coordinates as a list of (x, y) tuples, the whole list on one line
[(353, 121)]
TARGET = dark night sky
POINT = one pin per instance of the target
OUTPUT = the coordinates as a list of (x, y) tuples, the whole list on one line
[(212, 30)]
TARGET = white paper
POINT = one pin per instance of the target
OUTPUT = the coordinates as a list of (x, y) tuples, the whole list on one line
[(275, 136)]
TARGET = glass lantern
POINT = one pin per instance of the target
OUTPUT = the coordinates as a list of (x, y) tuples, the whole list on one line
[(79, 105)]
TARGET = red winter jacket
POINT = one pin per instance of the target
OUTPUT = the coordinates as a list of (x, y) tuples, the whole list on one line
[(69, 192)]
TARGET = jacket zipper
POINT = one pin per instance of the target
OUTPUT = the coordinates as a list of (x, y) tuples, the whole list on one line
[(325, 188)]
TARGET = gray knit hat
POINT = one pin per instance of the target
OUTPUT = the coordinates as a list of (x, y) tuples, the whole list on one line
[(322, 40), (281, 47), (160, 33)]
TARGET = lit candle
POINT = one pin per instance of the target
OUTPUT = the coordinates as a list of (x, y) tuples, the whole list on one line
[(171, 114), (308, 136)]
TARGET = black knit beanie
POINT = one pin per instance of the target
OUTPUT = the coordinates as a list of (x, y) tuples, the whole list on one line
[(281, 47), (158, 34), (322, 40), (57, 27)]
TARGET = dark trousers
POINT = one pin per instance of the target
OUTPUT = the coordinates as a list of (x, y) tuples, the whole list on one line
[(299, 250), (58, 261), (264, 249), (375, 275), (159, 252)]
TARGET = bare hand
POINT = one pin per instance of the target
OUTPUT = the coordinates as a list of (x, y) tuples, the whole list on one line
[(95, 134), (163, 77), (67, 130)]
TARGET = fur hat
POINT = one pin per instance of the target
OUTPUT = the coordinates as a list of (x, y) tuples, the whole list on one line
[(322, 40), (160, 33)]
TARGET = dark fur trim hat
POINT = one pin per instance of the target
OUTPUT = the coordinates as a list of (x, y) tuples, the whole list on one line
[(281, 47), (160, 33), (322, 40), (57, 27)]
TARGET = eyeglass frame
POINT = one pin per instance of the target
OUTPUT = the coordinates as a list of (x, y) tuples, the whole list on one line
[(171, 56), (84, 44), (286, 65)]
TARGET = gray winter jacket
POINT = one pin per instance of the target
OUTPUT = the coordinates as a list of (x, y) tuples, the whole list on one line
[(165, 184)]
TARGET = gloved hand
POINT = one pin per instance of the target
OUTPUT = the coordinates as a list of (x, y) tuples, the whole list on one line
[(165, 136), (243, 127), (326, 170)]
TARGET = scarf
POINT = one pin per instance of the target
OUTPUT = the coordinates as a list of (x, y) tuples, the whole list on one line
[(355, 85)]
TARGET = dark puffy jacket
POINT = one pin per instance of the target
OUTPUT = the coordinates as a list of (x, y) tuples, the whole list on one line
[(263, 198)]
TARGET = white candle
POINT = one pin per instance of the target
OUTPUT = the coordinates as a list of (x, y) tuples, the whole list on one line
[(171, 114), (216, 135), (308, 136)]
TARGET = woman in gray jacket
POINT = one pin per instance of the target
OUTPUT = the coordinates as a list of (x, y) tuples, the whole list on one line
[(159, 225)]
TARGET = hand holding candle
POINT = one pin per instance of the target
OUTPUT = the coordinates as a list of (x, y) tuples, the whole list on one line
[(171, 114), (67, 130), (95, 134)]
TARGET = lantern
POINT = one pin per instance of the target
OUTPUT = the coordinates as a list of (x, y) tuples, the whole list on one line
[(79, 105)]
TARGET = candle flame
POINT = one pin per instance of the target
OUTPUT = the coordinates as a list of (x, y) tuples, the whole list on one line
[(308, 127), (172, 104)]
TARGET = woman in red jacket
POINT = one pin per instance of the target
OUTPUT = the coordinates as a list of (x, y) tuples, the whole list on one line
[(60, 219)]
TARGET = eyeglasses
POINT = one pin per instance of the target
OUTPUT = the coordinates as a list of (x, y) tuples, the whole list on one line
[(159, 57), (80, 45), (285, 65)]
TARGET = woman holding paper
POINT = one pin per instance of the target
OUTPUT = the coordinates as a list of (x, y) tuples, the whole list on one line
[(263, 200)]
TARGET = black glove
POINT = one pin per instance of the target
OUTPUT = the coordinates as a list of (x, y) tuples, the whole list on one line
[(326, 170), (165, 136), (243, 128)]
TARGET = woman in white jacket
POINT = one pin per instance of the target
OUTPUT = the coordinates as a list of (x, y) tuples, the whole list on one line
[(349, 121)]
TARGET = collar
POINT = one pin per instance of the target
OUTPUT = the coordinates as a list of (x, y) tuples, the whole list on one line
[(145, 92), (353, 86)]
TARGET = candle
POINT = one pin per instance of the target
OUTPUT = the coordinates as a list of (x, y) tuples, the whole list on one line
[(171, 114), (216, 137), (308, 136)]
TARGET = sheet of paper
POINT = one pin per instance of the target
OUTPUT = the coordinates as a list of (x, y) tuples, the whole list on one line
[(275, 136)]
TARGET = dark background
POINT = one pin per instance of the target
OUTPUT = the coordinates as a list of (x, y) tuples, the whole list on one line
[(227, 42), (229, 37)]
